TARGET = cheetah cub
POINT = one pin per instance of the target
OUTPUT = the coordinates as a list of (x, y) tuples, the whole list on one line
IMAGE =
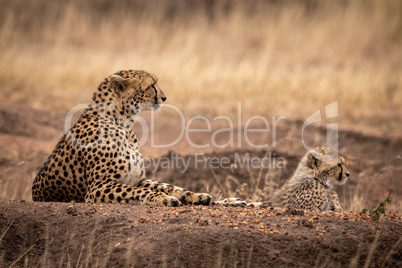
[(311, 186)]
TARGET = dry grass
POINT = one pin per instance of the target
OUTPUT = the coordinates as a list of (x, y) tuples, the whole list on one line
[(277, 58)]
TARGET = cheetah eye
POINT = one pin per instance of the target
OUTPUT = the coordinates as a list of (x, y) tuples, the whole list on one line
[(339, 165)]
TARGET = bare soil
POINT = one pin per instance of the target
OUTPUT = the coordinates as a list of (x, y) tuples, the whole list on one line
[(121, 235), (68, 234)]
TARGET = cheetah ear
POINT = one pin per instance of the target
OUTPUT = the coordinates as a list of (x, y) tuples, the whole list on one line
[(118, 82), (314, 159)]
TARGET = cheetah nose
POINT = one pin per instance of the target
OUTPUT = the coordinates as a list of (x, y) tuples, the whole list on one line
[(163, 99), (347, 174)]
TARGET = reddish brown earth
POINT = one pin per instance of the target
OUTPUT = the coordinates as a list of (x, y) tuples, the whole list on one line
[(82, 235), (123, 236)]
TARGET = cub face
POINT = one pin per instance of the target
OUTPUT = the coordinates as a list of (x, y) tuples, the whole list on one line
[(329, 164)]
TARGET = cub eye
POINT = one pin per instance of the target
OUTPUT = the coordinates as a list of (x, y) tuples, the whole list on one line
[(339, 165)]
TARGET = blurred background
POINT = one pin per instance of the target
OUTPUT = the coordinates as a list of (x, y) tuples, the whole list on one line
[(277, 57)]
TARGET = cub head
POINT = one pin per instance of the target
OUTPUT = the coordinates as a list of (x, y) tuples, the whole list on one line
[(130, 92), (328, 164)]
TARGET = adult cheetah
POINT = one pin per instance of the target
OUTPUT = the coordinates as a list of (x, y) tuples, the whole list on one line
[(311, 187), (98, 159)]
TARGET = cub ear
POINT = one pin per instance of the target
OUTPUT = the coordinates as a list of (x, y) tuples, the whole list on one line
[(118, 82), (314, 159)]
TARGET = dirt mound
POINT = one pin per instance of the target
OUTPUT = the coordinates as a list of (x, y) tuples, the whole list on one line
[(82, 235)]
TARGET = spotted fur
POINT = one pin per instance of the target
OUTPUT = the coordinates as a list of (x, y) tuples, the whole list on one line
[(98, 159), (311, 187)]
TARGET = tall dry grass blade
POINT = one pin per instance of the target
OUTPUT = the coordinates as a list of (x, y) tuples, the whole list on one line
[(129, 260), (68, 238), (354, 261), (22, 256), (219, 254), (62, 257), (218, 181), (372, 249), (394, 159), (9, 168), (260, 171), (79, 256), (164, 261), (6, 230), (105, 260), (91, 242), (249, 257), (391, 252), (68, 260), (47, 246)]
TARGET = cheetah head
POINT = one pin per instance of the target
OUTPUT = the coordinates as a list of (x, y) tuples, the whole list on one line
[(130, 92), (328, 165)]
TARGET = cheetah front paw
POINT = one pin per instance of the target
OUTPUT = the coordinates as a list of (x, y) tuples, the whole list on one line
[(166, 201), (338, 209), (231, 202), (195, 198)]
